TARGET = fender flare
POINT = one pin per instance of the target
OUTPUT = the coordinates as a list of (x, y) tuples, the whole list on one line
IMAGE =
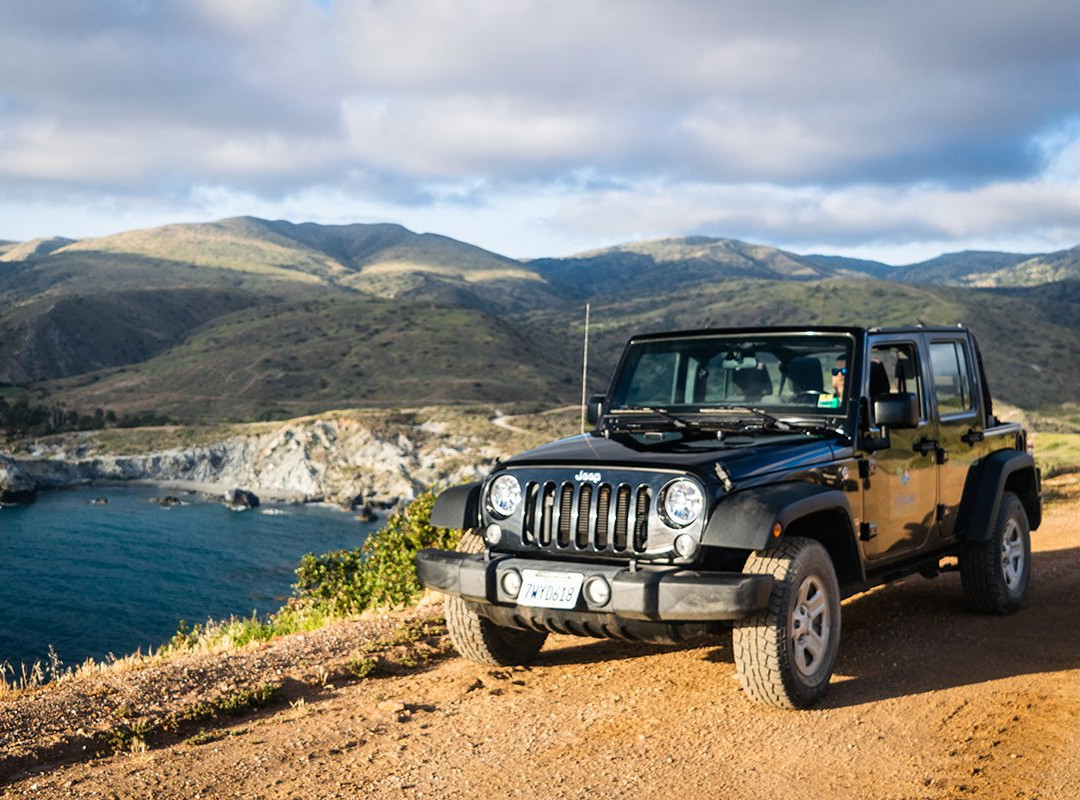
[(745, 519), (457, 507), (984, 486)]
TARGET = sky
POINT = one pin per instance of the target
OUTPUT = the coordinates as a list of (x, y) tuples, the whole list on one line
[(893, 131)]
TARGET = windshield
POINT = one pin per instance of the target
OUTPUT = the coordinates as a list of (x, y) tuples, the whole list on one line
[(794, 372)]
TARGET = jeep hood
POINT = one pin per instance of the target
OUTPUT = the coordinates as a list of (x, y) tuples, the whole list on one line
[(742, 456)]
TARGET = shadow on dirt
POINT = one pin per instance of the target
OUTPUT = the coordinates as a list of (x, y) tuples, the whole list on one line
[(917, 636), (600, 651)]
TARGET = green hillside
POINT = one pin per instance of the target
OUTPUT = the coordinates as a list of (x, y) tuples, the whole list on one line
[(53, 337), (247, 318), (1036, 271), (289, 358), (968, 268), (656, 265)]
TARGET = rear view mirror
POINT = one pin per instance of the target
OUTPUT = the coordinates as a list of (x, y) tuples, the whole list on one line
[(897, 410), (732, 361)]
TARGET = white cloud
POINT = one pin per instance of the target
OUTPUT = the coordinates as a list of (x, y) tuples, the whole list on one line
[(456, 136), (833, 123)]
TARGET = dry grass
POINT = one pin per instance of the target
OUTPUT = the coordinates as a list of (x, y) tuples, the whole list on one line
[(53, 672), (1057, 453)]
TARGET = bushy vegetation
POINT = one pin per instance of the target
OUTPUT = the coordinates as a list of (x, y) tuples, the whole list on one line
[(21, 418), (380, 573)]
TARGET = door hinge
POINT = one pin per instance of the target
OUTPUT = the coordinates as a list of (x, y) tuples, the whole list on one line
[(867, 531), (939, 513)]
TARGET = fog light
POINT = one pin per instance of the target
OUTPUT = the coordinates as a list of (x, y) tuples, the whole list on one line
[(493, 534), (511, 583), (597, 591), (685, 545)]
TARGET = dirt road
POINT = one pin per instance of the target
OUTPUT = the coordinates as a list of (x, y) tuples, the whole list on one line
[(929, 701)]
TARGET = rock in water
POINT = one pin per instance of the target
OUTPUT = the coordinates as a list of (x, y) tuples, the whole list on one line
[(168, 500), (241, 499), (15, 488)]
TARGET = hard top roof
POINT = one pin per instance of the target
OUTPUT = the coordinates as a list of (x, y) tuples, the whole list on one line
[(766, 329)]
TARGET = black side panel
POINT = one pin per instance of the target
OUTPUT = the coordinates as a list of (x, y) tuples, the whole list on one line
[(745, 519), (984, 486), (457, 507)]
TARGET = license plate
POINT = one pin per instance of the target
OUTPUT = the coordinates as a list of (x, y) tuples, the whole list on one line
[(549, 589)]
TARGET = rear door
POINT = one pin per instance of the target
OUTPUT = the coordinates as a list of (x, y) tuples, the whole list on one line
[(960, 420)]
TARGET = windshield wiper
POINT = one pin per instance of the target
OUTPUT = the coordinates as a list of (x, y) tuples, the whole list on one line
[(678, 421), (827, 427), (620, 422), (768, 421)]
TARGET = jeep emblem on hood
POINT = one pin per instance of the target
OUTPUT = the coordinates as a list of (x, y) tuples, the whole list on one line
[(593, 477)]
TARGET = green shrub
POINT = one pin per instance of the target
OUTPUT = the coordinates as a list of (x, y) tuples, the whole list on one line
[(380, 573)]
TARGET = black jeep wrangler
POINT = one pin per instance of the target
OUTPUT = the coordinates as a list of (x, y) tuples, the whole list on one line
[(750, 477)]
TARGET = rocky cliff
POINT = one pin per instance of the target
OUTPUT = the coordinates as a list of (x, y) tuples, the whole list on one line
[(339, 460)]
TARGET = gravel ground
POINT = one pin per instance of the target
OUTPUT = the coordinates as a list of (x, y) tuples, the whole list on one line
[(928, 701)]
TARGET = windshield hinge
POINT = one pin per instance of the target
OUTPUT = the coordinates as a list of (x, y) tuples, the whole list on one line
[(724, 476)]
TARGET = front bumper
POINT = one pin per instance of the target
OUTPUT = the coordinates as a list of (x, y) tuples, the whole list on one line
[(648, 594)]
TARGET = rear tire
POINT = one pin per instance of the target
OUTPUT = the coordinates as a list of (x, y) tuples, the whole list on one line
[(479, 639), (785, 654), (995, 573)]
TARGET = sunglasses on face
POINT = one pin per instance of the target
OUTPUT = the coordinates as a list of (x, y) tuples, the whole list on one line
[(839, 371)]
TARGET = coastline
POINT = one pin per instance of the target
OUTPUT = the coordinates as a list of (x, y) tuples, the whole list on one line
[(336, 460), (211, 489)]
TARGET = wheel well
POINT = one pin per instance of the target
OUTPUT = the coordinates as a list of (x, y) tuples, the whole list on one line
[(832, 529), (1023, 484)]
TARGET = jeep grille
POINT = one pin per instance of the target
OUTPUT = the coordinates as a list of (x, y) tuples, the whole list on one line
[(601, 518)]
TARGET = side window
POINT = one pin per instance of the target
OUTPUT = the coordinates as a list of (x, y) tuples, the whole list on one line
[(894, 369), (952, 377)]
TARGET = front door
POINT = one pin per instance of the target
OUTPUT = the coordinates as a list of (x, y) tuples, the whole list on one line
[(900, 496)]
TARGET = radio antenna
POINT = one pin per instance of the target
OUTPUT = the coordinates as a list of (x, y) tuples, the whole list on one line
[(585, 369)]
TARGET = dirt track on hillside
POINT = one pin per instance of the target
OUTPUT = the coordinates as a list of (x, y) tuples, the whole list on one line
[(928, 701)]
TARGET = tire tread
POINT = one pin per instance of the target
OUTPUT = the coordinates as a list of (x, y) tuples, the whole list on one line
[(760, 652), (980, 567), (478, 638)]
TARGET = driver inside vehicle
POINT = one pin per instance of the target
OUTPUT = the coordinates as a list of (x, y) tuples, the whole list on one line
[(839, 374)]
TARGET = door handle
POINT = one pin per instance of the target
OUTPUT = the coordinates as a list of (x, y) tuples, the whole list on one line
[(972, 436), (926, 446)]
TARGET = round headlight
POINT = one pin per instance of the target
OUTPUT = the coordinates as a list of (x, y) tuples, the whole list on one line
[(504, 496), (682, 502)]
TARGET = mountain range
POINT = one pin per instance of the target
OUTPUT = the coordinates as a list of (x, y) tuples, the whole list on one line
[(247, 318)]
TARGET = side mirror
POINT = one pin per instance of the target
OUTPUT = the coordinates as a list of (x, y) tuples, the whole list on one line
[(594, 408), (900, 410)]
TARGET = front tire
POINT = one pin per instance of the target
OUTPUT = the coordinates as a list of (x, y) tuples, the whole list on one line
[(994, 573), (785, 654), (479, 639)]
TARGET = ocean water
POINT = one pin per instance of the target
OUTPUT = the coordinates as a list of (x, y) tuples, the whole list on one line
[(97, 579)]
